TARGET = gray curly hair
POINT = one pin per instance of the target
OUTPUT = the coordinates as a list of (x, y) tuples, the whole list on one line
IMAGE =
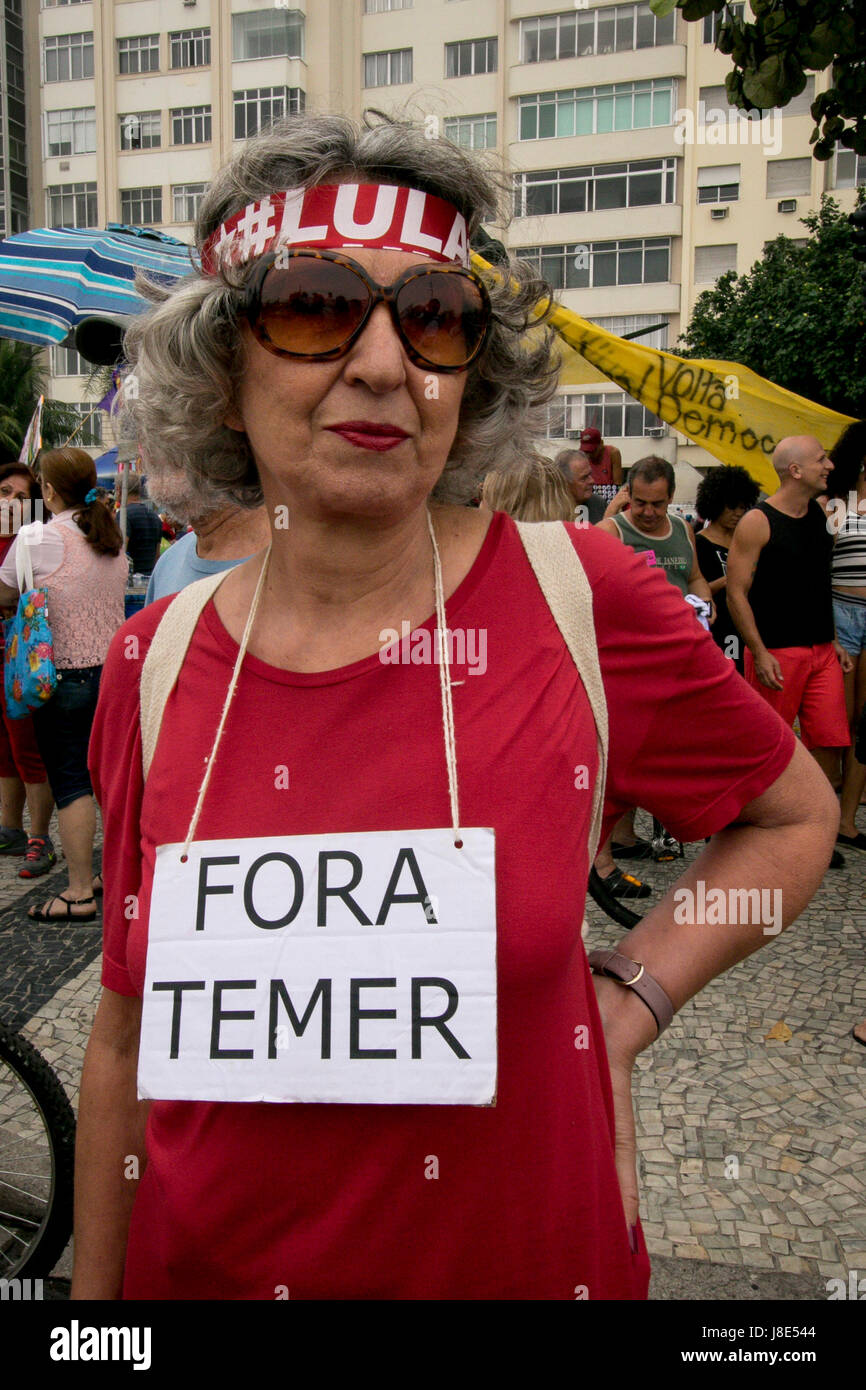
[(187, 352)]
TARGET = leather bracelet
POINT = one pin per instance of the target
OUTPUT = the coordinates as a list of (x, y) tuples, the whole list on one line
[(633, 975)]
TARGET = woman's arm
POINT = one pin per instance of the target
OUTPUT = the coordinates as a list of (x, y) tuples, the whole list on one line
[(111, 1124), (781, 842)]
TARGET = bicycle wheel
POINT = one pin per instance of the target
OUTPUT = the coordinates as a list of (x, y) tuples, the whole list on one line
[(659, 873), (37, 1151)]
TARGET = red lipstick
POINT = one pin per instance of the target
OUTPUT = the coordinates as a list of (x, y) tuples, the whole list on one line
[(370, 434)]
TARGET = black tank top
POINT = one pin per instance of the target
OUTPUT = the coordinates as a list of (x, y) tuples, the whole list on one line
[(791, 596)]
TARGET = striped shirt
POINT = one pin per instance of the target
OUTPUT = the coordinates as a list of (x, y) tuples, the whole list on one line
[(849, 553)]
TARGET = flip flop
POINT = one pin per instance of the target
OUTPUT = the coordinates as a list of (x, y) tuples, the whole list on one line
[(97, 887), (861, 1041), (42, 914), (857, 841)]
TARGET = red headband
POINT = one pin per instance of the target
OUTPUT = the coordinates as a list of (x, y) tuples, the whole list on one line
[(379, 216)]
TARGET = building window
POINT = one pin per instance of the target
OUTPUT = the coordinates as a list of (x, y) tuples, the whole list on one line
[(713, 21), (68, 57), (713, 261), (272, 33), (788, 176), (52, 4), (260, 106), (185, 200), (612, 29), (191, 125), (849, 169), (67, 362), (470, 57), (384, 6), (388, 69), (715, 100), (140, 207), (640, 183), (621, 325), (71, 132), (189, 48), (597, 110), (139, 54), (719, 183), (90, 432), (72, 205), (638, 261), (141, 130), (472, 132), (614, 413)]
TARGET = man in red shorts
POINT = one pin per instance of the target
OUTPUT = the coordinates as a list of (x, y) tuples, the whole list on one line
[(779, 596)]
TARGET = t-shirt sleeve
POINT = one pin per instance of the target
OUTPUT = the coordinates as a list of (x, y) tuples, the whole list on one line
[(46, 555), (114, 761), (690, 741)]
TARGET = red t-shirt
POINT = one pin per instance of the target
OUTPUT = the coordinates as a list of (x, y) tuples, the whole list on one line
[(332, 1201)]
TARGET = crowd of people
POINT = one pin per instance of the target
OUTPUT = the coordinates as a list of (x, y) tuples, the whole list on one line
[(266, 686)]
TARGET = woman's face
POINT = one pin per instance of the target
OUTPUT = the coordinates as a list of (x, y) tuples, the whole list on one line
[(730, 516), (290, 410), (14, 493)]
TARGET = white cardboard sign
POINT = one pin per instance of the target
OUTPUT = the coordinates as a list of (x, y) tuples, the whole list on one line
[(335, 968)]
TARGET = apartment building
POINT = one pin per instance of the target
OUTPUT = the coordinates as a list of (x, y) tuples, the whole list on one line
[(635, 185), (13, 136)]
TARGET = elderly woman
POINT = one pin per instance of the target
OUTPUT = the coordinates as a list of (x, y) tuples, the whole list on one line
[(373, 1060)]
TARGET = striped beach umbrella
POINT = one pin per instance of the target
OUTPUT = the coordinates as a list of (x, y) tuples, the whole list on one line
[(54, 279)]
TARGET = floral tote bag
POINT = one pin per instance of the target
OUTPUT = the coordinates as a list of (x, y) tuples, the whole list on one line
[(30, 677)]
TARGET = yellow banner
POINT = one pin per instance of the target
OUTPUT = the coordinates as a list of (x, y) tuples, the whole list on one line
[(730, 411)]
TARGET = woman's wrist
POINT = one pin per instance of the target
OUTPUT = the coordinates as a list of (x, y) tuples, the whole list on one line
[(629, 1026)]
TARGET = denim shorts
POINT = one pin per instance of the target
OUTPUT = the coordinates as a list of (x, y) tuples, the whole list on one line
[(850, 624), (62, 728)]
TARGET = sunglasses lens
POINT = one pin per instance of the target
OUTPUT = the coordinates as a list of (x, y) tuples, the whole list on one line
[(443, 317), (312, 306)]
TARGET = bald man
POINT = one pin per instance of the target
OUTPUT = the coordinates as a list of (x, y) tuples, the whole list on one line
[(779, 596)]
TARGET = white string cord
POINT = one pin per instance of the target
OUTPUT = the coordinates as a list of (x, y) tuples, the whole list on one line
[(231, 690), (445, 684)]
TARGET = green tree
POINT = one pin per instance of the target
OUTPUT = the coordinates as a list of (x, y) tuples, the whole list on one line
[(784, 40), (23, 379), (798, 317)]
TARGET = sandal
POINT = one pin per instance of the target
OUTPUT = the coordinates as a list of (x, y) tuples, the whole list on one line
[(97, 885), (43, 914), (622, 885), (861, 1041)]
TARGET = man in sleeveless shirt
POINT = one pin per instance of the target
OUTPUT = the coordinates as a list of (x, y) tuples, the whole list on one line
[(668, 542), (780, 597), (605, 461)]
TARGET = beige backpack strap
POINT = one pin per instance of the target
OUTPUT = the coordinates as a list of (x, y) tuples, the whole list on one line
[(563, 582), (168, 649)]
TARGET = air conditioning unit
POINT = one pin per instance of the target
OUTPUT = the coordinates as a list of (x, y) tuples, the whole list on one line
[(718, 213), (657, 432), (64, 165), (188, 4), (787, 205)]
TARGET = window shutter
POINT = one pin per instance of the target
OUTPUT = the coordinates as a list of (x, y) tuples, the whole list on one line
[(788, 176), (716, 174), (713, 261)]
